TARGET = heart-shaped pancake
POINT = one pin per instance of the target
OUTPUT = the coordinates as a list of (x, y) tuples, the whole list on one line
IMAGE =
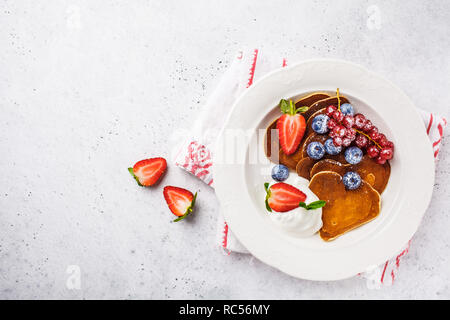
[(377, 175), (345, 209)]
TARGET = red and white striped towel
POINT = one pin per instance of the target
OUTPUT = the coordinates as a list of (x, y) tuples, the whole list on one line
[(195, 155)]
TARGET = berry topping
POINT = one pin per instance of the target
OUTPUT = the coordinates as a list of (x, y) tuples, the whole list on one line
[(382, 140), (351, 180), (346, 141), (339, 131), (329, 110), (315, 150), (337, 141), (338, 116), (360, 121), (282, 197), (331, 124), (390, 144), (374, 134), (387, 153), (330, 148), (180, 201), (348, 121), (368, 126), (361, 141), (319, 123), (291, 127), (380, 160), (347, 109), (353, 155), (147, 172), (372, 151), (351, 134), (280, 172)]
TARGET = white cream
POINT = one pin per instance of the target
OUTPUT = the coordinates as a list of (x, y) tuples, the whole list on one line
[(299, 222)]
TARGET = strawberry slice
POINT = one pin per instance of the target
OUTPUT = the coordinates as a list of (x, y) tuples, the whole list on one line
[(180, 201), (147, 172), (282, 197), (291, 126)]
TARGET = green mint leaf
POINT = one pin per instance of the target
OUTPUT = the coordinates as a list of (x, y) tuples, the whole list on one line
[(284, 106), (130, 170), (303, 205), (313, 205), (266, 186)]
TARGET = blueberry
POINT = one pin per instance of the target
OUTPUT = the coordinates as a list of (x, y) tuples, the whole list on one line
[(280, 172), (353, 155), (351, 180), (347, 109), (315, 150), (319, 123), (330, 148)]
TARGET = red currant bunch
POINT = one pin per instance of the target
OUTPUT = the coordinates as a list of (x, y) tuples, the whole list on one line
[(369, 138), (341, 127)]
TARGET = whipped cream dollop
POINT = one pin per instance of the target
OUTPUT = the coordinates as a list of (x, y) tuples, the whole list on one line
[(299, 222)]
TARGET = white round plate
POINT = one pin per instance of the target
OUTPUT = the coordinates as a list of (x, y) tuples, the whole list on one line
[(241, 170)]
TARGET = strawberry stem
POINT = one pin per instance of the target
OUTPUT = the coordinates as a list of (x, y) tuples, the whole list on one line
[(291, 108)]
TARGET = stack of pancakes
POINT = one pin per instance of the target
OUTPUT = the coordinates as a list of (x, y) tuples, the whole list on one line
[(345, 209)]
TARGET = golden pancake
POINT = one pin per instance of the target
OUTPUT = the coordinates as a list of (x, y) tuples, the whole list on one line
[(291, 160), (304, 167), (375, 174), (345, 209)]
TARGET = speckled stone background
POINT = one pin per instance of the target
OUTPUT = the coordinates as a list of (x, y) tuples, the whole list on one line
[(89, 87)]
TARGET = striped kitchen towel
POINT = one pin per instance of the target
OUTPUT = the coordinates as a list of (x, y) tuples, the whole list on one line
[(195, 153)]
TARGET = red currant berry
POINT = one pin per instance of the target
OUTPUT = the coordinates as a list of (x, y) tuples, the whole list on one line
[(380, 160), (390, 144), (331, 124), (350, 133), (337, 141), (346, 142), (329, 110), (338, 116), (360, 121), (373, 134), (361, 141), (372, 151), (339, 131), (348, 121), (387, 153), (382, 140), (368, 126)]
